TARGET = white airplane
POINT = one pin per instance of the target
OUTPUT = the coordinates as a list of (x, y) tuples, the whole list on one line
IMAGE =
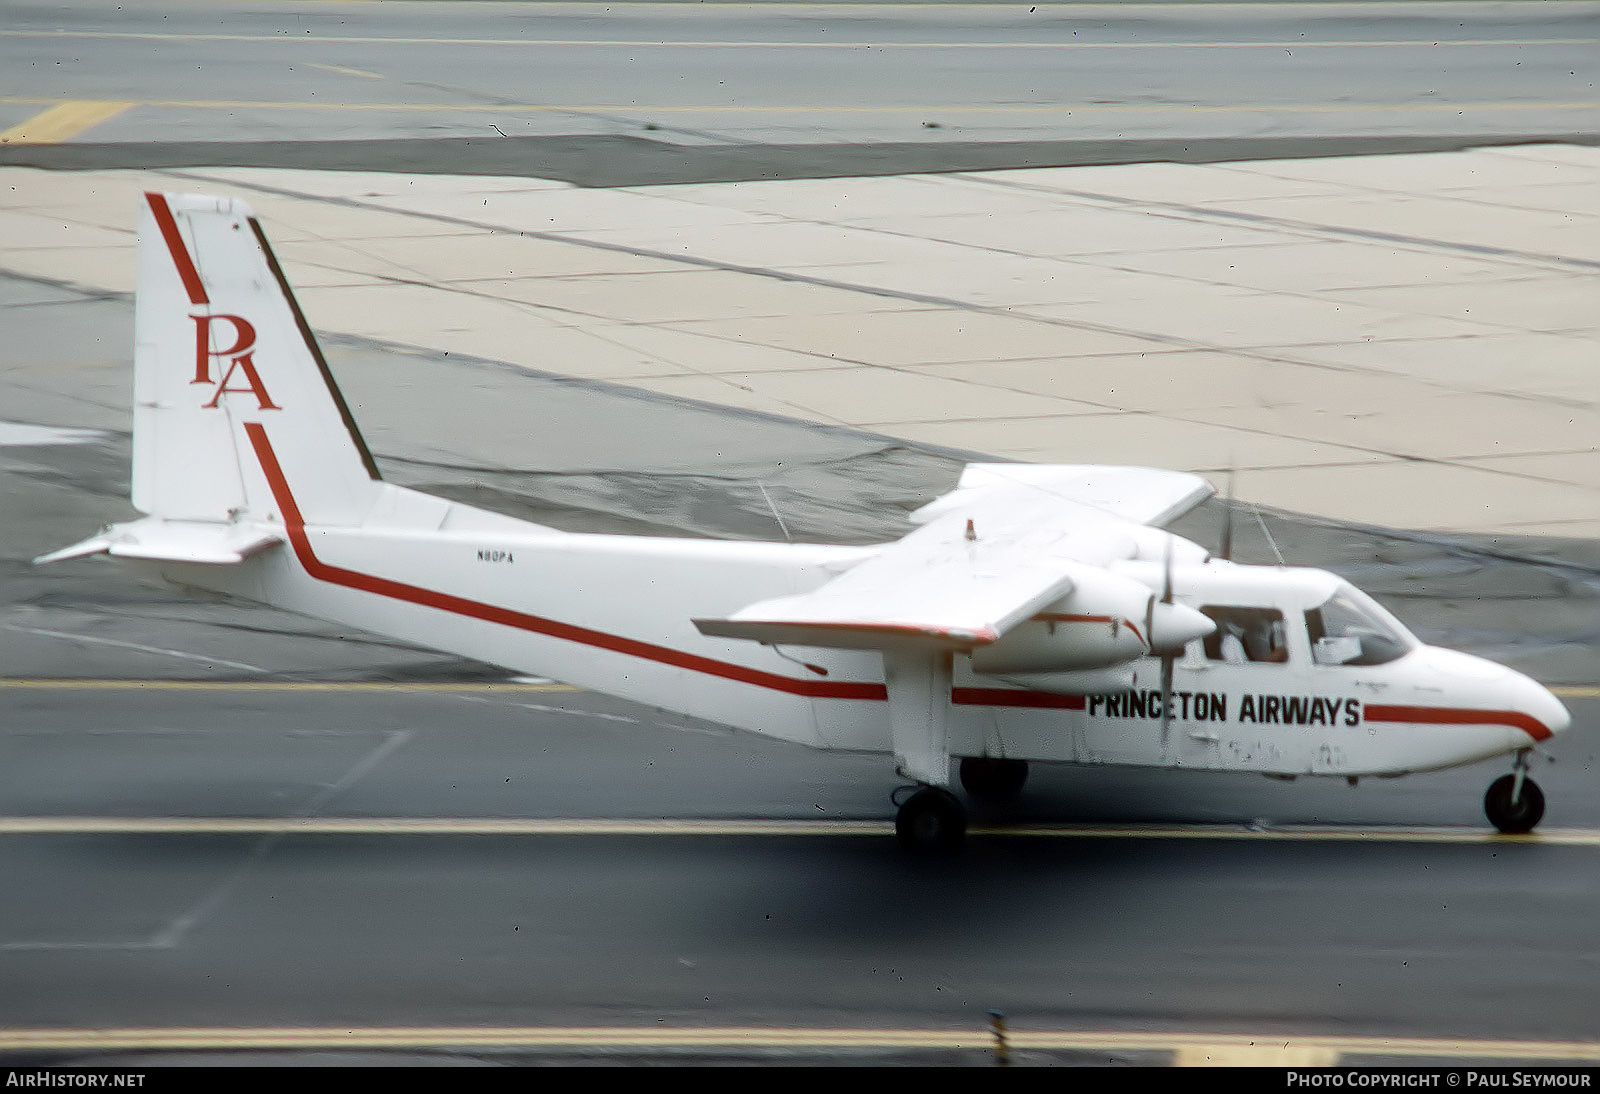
[(1037, 614)]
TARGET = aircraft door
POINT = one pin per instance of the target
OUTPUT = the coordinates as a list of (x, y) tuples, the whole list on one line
[(1250, 651)]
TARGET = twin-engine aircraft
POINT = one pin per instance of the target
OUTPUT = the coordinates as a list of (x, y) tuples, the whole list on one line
[(1039, 613)]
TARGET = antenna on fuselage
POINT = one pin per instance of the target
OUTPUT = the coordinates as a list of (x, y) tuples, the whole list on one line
[(1225, 550)]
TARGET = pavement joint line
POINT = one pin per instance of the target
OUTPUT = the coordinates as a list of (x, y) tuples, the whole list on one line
[(662, 826), (1202, 214), (644, 43), (948, 109), (771, 1037), (118, 643)]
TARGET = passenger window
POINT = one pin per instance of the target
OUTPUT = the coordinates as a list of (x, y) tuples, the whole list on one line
[(1246, 636)]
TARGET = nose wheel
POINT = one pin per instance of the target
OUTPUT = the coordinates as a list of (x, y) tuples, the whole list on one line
[(1514, 803)]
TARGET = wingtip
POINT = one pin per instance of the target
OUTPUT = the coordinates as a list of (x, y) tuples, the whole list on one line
[(94, 545)]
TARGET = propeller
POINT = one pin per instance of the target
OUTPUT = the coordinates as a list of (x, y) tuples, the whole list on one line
[(1167, 656)]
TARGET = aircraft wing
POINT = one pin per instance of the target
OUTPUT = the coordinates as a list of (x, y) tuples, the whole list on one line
[(1143, 495), (989, 555)]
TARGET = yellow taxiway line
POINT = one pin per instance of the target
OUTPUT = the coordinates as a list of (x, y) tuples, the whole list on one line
[(650, 826), (1187, 1048), (535, 827), (63, 121), (68, 683)]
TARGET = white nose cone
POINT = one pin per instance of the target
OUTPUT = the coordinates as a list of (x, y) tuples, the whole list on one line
[(1495, 690), (1172, 626), (1546, 714)]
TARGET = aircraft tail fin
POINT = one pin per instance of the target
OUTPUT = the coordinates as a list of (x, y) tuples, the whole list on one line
[(222, 349)]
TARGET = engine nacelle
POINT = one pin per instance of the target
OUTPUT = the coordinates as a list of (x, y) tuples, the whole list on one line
[(1103, 621)]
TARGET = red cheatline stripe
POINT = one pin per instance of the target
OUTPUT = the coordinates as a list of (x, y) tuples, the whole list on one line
[(982, 637), (1005, 697), (1059, 617), (180, 253), (295, 525), (1455, 716)]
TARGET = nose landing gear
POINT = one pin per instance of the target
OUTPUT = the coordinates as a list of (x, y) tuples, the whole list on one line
[(1514, 803)]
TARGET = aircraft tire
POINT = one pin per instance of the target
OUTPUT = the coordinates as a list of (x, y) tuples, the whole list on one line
[(932, 821), (993, 779), (1514, 818)]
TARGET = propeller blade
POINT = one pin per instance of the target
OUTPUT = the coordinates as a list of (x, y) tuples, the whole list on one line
[(1166, 581), (1168, 656), (1166, 699)]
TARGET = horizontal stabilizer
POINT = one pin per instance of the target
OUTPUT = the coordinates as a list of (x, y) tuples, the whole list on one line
[(172, 541)]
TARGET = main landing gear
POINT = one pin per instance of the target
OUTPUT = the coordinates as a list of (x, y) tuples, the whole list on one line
[(993, 779), (1514, 803), (931, 820)]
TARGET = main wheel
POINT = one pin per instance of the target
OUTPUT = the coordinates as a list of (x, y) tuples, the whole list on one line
[(931, 820), (1514, 818), (997, 780)]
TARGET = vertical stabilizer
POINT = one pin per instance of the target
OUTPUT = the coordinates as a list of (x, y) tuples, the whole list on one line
[(220, 344)]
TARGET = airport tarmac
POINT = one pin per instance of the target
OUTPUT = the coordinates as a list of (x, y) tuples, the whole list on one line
[(1394, 340), (150, 787), (1395, 349)]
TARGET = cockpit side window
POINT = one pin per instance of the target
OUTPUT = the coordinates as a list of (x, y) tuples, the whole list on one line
[(1351, 629), (1246, 635)]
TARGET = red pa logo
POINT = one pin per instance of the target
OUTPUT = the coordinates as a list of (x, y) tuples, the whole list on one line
[(238, 358)]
